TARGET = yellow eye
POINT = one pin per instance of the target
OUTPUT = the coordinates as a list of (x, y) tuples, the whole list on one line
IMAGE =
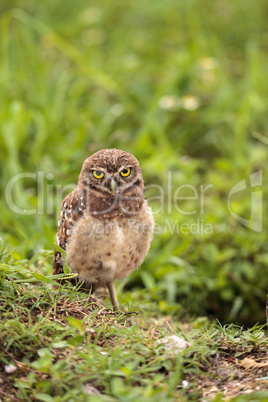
[(125, 172), (98, 174)]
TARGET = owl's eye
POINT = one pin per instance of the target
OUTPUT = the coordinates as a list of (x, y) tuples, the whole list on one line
[(125, 172), (98, 174)]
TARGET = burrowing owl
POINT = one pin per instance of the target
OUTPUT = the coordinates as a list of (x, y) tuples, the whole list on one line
[(105, 224)]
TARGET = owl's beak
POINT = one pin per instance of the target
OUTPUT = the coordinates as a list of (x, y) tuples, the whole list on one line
[(113, 185)]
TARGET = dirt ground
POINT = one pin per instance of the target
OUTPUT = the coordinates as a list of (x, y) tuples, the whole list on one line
[(234, 377)]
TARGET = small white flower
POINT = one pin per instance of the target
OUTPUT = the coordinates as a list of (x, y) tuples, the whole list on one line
[(10, 368), (207, 63), (169, 102), (207, 66), (190, 102), (184, 384)]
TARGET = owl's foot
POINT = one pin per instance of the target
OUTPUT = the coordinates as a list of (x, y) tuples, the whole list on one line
[(112, 291)]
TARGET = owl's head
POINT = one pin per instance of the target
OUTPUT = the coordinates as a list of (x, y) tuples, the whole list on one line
[(113, 177)]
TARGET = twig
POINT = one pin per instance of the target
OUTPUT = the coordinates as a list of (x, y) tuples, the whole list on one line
[(18, 364), (8, 395), (169, 327)]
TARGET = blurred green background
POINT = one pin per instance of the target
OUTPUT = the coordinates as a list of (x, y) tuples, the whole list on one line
[(180, 84)]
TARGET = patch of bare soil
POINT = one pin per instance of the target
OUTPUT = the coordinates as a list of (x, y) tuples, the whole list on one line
[(232, 376), (7, 390)]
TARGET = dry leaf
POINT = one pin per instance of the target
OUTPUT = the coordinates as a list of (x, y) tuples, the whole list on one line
[(249, 363)]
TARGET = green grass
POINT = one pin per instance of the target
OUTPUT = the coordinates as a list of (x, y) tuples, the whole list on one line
[(59, 345), (79, 78), (183, 86)]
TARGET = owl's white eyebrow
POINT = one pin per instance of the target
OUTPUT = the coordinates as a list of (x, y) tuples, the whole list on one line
[(126, 167)]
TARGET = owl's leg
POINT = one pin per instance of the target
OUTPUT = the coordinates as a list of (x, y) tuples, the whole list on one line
[(112, 291)]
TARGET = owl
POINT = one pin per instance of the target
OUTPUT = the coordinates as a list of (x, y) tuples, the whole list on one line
[(105, 224)]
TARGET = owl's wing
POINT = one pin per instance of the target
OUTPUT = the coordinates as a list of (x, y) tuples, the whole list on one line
[(72, 208)]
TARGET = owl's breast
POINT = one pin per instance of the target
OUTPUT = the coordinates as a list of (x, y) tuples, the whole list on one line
[(100, 250)]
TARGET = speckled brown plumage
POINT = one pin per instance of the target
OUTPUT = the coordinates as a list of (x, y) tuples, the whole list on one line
[(105, 224)]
